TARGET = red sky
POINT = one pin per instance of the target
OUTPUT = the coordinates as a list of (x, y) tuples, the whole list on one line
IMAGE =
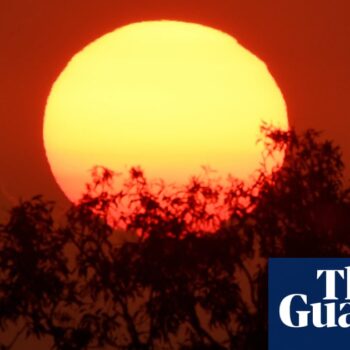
[(305, 44)]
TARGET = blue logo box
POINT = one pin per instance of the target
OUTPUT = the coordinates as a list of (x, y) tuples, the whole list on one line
[(309, 303)]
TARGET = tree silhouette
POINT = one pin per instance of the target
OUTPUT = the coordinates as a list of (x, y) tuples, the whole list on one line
[(191, 272)]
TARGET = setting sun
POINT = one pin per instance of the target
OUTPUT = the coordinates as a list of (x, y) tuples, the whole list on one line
[(167, 96)]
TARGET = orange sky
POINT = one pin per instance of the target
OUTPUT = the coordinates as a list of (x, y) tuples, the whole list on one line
[(304, 43)]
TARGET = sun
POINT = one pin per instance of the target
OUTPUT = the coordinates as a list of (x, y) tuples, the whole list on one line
[(170, 97)]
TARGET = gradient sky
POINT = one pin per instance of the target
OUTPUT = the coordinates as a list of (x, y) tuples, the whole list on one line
[(305, 44)]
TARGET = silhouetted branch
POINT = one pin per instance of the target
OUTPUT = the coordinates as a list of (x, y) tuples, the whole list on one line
[(177, 278)]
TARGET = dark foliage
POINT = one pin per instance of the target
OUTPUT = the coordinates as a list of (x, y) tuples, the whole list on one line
[(190, 272)]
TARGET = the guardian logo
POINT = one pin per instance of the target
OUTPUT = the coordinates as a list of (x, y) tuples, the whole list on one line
[(316, 310), (309, 303)]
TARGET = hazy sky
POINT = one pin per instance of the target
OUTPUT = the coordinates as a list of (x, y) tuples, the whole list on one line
[(305, 44)]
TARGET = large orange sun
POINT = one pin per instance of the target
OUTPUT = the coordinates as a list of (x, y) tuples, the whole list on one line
[(168, 96)]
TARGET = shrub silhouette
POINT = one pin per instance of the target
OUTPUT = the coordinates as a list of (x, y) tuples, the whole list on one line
[(191, 272)]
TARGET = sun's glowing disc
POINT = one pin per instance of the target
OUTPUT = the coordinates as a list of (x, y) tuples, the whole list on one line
[(164, 95)]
